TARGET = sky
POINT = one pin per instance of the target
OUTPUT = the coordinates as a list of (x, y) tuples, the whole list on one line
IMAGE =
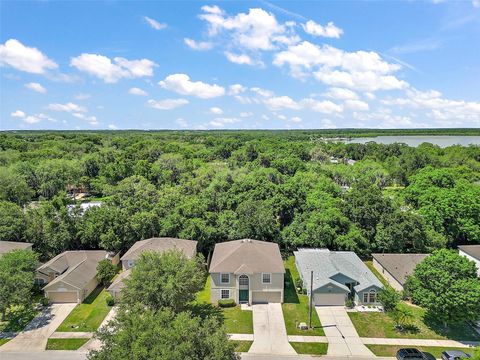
[(239, 65)]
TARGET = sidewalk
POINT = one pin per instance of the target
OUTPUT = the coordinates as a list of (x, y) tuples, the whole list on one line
[(419, 342), (71, 335)]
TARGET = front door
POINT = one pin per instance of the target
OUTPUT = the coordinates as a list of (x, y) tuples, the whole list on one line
[(243, 296)]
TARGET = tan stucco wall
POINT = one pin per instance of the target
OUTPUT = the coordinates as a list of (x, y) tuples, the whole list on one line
[(88, 288), (255, 284), (60, 286), (116, 259), (390, 279)]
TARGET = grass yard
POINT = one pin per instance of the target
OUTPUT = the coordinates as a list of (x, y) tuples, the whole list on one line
[(88, 315), (203, 296), (376, 273), (295, 306), (382, 325), (430, 351), (238, 321), (310, 348), (4, 341), (65, 344), (242, 346)]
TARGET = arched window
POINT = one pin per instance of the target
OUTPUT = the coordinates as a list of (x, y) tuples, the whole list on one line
[(372, 296), (243, 280)]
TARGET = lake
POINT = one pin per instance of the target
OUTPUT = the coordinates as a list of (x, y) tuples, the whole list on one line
[(440, 140)]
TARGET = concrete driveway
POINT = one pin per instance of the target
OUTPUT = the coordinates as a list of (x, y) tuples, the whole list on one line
[(343, 339), (35, 335), (269, 333)]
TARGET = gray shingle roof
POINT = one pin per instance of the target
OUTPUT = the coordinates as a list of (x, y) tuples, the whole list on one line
[(118, 284), (188, 247), (246, 256), (6, 246), (472, 250), (400, 266), (326, 264)]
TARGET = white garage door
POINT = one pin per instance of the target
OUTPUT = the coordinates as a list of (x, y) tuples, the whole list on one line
[(329, 299), (267, 297), (62, 297)]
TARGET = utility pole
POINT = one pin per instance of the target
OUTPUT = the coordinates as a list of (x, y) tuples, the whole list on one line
[(311, 300)]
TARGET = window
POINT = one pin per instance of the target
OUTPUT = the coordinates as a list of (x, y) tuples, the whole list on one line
[(243, 280), (365, 297), (266, 278), (372, 296), (225, 278), (225, 294)]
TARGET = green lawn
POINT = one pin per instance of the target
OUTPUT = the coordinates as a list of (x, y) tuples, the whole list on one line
[(310, 348), (65, 344), (88, 315), (203, 296), (238, 321), (433, 351), (4, 341), (377, 274), (382, 325), (242, 346), (295, 306)]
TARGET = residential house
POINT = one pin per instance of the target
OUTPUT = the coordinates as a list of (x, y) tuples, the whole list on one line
[(471, 252), (71, 276), (248, 271), (7, 246), (396, 268), (337, 276), (187, 247)]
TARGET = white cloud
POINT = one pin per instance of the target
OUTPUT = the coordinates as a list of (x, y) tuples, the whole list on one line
[(36, 87), (341, 94), (222, 121), (29, 59), (112, 127), (241, 59), (245, 114), (198, 45), (110, 72), (182, 122), (216, 110), (167, 104), (281, 102), (82, 96), (323, 106), (32, 119), (329, 30), (18, 114), (357, 105), (137, 91), (154, 24), (296, 119), (181, 84), (236, 89), (68, 107)]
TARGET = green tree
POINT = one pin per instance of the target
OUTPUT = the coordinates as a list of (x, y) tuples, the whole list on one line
[(144, 334), (17, 273), (12, 222), (167, 280), (13, 187), (105, 271), (447, 286), (389, 298)]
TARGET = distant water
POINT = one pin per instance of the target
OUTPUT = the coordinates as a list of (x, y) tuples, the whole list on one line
[(440, 140)]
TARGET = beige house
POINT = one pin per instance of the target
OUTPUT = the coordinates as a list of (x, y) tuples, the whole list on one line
[(7, 246), (396, 268), (188, 247), (248, 271), (71, 275)]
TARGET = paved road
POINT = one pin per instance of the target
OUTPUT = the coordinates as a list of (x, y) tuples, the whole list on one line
[(35, 335), (249, 356), (270, 335), (343, 339)]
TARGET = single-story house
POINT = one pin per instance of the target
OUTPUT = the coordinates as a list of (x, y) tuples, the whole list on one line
[(471, 252), (188, 247), (7, 246), (337, 276), (72, 275), (396, 268), (248, 271)]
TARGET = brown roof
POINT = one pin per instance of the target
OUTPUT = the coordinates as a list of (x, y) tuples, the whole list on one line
[(77, 268), (246, 256), (472, 250), (400, 266), (188, 247), (6, 246)]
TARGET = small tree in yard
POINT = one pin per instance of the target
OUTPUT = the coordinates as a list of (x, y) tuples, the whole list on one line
[(105, 271), (401, 316), (389, 298), (167, 280), (17, 273), (446, 285)]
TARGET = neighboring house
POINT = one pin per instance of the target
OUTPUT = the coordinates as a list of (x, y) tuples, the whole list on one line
[(248, 271), (84, 206), (337, 276), (396, 268), (471, 252), (188, 247), (7, 246), (71, 275)]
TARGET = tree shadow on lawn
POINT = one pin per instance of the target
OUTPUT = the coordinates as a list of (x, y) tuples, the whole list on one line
[(290, 295), (93, 295), (460, 331), (204, 310)]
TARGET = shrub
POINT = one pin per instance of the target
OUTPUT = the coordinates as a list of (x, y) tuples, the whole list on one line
[(44, 301), (349, 303), (389, 298), (110, 300), (299, 285), (226, 303)]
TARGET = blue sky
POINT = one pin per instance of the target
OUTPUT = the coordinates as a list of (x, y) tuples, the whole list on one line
[(239, 65)]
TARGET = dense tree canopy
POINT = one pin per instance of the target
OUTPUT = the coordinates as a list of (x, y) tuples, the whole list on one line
[(288, 187)]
